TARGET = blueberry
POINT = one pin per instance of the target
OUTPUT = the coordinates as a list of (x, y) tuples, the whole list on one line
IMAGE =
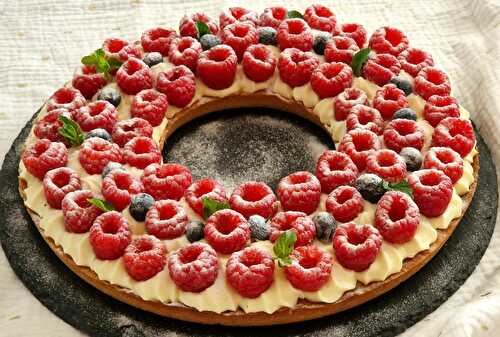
[(100, 133), (259, 228), (153, 58), (370, 187), (208, 41), (194, 230), (140, 205), (111, 95), (325, 226), (320, 41), (111, 166), (402, 84), (405, 113), (267, 35), (412, 157)]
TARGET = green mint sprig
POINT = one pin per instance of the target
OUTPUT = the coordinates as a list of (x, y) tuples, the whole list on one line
[(283, 247), (103, 205), (293, 14), (202, 28), (101, 63), (359, 59), (71, 131), (211, 206), (401, 186)]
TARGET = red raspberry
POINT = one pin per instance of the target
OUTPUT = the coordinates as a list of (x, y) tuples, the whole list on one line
[(387, 164), (356, 246), (187, 26), (144, 257), (355, 31), (344, 203), (432, 81), (365, 117), (150, 105), (299, 222), (273, 16), (193, 267), (388, 40), (88, 81), (259, 63), (119, 186), (381, 68), (413, 60), (401, 133), (140, 152), (44, 156), (66, 98), (166, 181), (134, 76), (321, 18), (96, 153), (438, 108), (59, 182), (48, 126), (184, 51), (310, 269), (446, 160), (253, 198), (299, 191), (227, 231), (125, 130), (178, 83), (250, 271), (389, 99), (78, 213), (120, 49), (335, 169), (294, 33), (358, 144), (157, 40), (166, 219), (346, 100), (98, 114), (330, 79), (340, 49), (237, 14), (201, 189), (239, 36), (217, 67), (432, 191), (455, 133), (110, 235), (296, 67)]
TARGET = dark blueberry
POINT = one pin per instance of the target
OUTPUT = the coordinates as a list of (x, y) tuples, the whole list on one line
[(405, 113), (325, 226), (320, 41), (153, 58), (208, 41), (259, 228), (402, 84), (111, 166), (140, 205), (100, 133), (267, 35), (111, 95), (412, 157), (370, 187), (194, 230)]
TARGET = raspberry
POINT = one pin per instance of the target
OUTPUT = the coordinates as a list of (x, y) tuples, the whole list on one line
[(118, 187), (346, 100), (78, 213), (217, 67), (355, 31), (438, 108), (227, 231), (330, 79), (88, 81), (344, 203), (140, 152), (455, 133), (310, 269), (321, 18), (432, 191), (387, 164), (296, 67), (299, 191), (193, 267), (166, 181), (388, 40), (166, 220), (340, 49), (96, 153), (388, 100), (120, 49), (125, 130), (144, 257), (432, 81), (299, 222), (201, 189), (184, 51), (48, 126), (66, 98), (272, 16), (96, 115), (239, 36), (178, 83), (356, 246), (335, 169), (259, 63), (237, 14), (381, 68), (446, 160), (157, 40), (401, 133), (134, 76), (187, 26), (358, 144), (253, 198), (110, 235), (150, 105), (294, 33), (44, 156), (59, 182), (250, 271), (413, 60), (365, 117)]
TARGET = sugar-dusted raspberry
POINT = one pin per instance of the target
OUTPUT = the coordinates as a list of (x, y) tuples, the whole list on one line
[(166, 181), (346, 100), (187, 26), (96, 115), (344, 203), (88, 81), (321, 18), (455, 133), (150, 105), (310, 269), (296, 67), (120, 49), (356, 246), (239, 36), (365, 117), (299, 222), (358, 144), (184, 51), (235, 14), (227, 231), (140, 152), (44, 156), (96, 153), (78, 213), (118, 188), (134, 76), (110, 235), (381, 68), (125, 130), (294, 33), (253, 198), (445, 159), (330, 79), (334, 169), (354, 31), (340, 49), (144, 257), (167, 219), (158, 40), (387, 164), (438, 108), (432, 191), (388, 40), (259, 62), (250, 271), (272, 16), (389, 99), (66, 98), (59, 182), (401, 133), (432, 81), (193, 267), (299, 191), (178, 83), (204, 188), (413, 60), (48, 126), (217, 67)]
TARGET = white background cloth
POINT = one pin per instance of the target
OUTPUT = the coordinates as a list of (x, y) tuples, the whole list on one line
[(41, 42)]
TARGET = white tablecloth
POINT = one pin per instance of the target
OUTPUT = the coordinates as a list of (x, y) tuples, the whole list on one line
[(41, 43)]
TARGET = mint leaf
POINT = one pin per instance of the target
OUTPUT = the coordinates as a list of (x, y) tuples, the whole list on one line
[(293, 14), (202, 28), (101, 63), (71, 131), (114, 63), (359, 59), (211, 206), (401, 186), (283, 247), (100, 53), (103, 205), (89, 60)]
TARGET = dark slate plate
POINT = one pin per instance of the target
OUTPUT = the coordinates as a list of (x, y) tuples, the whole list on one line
[(238, 145)]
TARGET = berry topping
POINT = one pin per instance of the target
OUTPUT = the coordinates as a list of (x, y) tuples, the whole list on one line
[(217, 67), (273, 16), (259, 63), (119, 186), (388, 100), (334, 169), (144, 257), (110, 95), (294, 33), (99, 133), (346, 100), (259, 228), (96, 153), (365, 117), (412, 157), (402, 84), (194, 230), (166, 181), (134, 76), (370, 186), (432, 81), (99, 114), (140, 205), (387, 164), (187, 26), (413, 60), (125, 130), (320, 41), (237, 14), (299, 191), (227, 231), (446, 160), (48, 126), (438, 108), (201, 189), (310, 268), (88, 81), (120, 49), (44, 156), (381, 68), (140, 152), (78, 212), (388, 40), (59, 182), (239, 36), (166, 219), (330, 79), (209, 41), (340, 49), (267, 35), (178, 83), (296, 67), (298, 222), (400, 133), (432, 191), (66, 98), (344, 203), (321, 18), (111, 166), (253, 198), (455, 133), (150, 105), (109, 235), (405, 113), (358, 144), (157, 40), (354, 31), (325, 226), (185, 51), (152, 59)]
